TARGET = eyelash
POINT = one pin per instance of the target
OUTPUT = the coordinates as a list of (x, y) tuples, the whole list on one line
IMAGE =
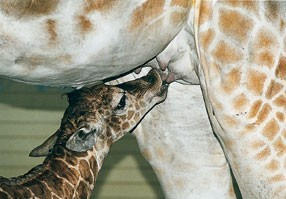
[(122, 103)]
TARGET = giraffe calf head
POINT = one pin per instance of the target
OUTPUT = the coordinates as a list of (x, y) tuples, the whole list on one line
[(104, 113)]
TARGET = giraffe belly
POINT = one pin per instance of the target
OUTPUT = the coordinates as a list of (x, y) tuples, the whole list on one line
[(74, 45)]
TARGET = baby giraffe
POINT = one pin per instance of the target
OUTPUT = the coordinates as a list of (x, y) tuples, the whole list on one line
[(95, 118)]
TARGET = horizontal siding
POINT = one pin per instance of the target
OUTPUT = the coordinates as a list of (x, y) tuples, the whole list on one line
[(29, 114), (122, 191)]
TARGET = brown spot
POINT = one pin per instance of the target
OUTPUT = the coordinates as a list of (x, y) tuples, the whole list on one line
[(230, 121), (142, 103), (206, 38), (146, 154), (28, 8), (66, 58), (250, 127), (137, 117), (279, 147), (264, 39), (255, 82), (277, 178), (146, 12), (231, 80), (59, 152), (38, 188), (226, 54), (84, 24), (271, 10), (271, 129), (231, 191), (249, 5), (214, 69), (263, 154), (99, 5), (21, 193), (180, 183), (93, 165), (229, 143), (261, 53), (181, 3), (273, 89), (205, 10), (281, 69), (240, 102), (282, 25), (264, 58), (263, 114), (67, 190), (83, 190), (61, 169), (257, 144), (280, 101), (54, 182), (283, 134), (130, 114), (115, 120), (153, 28), (31, 62), (178, 17), (107, 112), (235, 25), (280, 116), (273, 165), (125, 125), (137, 107), (159, 153), (159, 171), (83, 168), (123, 117), (254, 108), (72, 161), (51, 27)]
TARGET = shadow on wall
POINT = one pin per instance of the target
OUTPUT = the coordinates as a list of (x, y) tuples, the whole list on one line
[(31, 96), (124, 165), (126, 174)]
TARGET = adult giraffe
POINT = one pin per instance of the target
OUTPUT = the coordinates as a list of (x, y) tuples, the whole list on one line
[(236, 48)]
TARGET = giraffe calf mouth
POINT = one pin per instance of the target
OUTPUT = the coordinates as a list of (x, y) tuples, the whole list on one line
[(163, 90), (159, 84)]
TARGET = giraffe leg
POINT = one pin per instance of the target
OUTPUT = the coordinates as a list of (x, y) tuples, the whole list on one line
[(179, 144), (191, 160), (243, 79)]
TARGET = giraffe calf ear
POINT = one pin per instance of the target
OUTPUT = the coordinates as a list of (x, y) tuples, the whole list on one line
[(45, 148), (82, 140)]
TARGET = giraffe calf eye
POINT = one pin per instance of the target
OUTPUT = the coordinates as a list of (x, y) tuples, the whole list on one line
[(81, 134), (121, 104)]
